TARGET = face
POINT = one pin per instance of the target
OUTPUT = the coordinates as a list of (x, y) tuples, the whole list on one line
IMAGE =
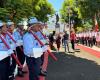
[(11, 28), (21, 27), (4, 29), (35, 28), (41, 27)]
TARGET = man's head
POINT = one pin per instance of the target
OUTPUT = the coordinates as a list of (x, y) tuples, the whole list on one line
[(10, 26), (20, 25), (65, 32), (34, 24), (3, 27), (41, 26)]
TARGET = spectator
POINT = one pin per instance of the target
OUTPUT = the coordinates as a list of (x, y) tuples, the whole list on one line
[(65, 40), (98, 39), (73, 38), (58, 41), (51, 41)]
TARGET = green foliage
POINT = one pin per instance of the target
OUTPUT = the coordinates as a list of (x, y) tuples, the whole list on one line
[(89, 8), (69, 9), (19, 9), (3, 13), (83, 10), (42, 10)]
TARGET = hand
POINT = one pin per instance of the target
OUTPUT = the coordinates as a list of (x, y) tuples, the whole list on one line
[(10, 51), (21, 42), (18, 44)]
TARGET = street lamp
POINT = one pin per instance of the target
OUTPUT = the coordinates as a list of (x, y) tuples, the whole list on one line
[(69, 17)]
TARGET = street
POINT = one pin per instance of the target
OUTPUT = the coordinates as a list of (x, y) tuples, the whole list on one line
[(73, 66)]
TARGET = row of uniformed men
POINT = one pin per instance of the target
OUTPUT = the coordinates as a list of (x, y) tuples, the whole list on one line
[(89, 38), (87, 34), (23, 46)]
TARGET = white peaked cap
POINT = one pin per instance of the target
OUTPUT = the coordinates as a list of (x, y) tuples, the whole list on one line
[(33, 20), (9, 23)]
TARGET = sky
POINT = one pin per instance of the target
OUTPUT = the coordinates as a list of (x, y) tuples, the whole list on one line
[(57, 4)]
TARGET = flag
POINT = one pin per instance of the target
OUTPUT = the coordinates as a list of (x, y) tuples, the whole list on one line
[(96, 25)]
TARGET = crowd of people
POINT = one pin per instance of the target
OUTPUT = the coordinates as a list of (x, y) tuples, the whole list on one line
[(18, 46), (63, 39), (89, 38)]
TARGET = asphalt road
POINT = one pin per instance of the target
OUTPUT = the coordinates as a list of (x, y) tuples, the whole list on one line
[(77, 66), (74, 67)]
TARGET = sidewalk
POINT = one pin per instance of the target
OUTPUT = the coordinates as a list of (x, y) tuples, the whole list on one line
[(95, 51), (62, 49), (96, 48)]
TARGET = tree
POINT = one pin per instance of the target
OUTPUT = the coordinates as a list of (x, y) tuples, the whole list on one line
[(84, 9), (42, 10), (69, 9), (18, 9)]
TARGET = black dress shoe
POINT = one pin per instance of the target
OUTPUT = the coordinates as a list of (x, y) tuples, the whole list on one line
[(43, 73), (20, 74), (11, 77)]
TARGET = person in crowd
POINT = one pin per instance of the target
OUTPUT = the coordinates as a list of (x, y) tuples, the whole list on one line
[(98, 39), (73, 38), (11, 27), (65, 40), (33, 50), (5, 53), (19, 32), (58, 41), (52, 40)]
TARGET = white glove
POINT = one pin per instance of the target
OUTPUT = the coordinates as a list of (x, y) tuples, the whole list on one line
[(18, 44), (21, 42), (13, 46), (10, 51), (44, 48)]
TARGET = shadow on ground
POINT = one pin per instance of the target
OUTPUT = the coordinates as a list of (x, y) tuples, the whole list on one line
[(70, 67)]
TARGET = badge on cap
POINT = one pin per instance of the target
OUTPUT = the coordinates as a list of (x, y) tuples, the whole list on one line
[(9, 23)]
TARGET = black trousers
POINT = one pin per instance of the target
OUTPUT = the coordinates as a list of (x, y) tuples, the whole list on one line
[(83, 41), (4, 69), (12, 65), (42, 59), (90, 42), (94, 41), (34, 65), (73, 44), (20, 55)]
